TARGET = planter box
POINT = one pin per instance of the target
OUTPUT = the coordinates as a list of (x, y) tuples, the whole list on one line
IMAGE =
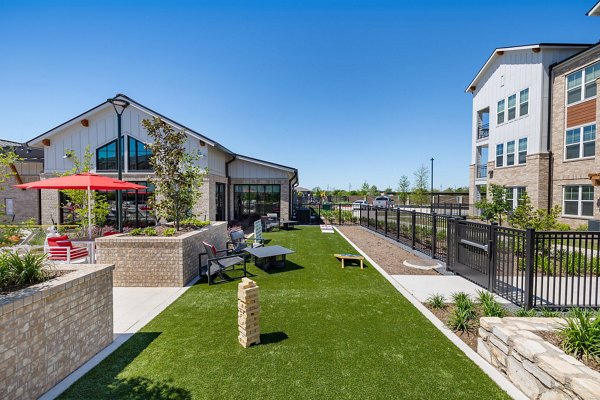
[(50, 329), (158, 261), (536, 367)]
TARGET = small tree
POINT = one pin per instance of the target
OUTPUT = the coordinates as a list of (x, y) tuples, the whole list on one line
[(364, 188), (79, 198), (420, 194), (403, 188), (498, 206), (7, 160), (178, 178), (526, 216), (373, 191)]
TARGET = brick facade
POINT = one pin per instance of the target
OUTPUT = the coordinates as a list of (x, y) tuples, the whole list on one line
[(158, 261), (575, 171), (50, 329)]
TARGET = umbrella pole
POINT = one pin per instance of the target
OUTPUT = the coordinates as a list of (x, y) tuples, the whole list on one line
[(89, 213)]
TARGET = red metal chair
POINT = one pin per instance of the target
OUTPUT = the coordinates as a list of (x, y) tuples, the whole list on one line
[(61, 249)]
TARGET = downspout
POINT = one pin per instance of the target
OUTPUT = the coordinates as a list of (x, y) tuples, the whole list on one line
[(548, 142), (291, 193), (228, 205)]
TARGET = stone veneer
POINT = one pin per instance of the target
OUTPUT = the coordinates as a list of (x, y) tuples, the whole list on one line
[(50, 329), (539, 369), (158, 261)]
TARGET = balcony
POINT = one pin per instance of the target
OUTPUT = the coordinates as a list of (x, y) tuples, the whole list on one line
[(481, 172), (483, 131)]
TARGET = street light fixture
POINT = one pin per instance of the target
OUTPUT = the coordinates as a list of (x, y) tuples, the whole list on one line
[(119, 105)]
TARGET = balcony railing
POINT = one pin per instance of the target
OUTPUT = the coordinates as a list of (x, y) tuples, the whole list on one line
[(483, 131), (481, 171)]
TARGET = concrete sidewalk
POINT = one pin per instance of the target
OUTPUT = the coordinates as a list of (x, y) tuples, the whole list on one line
[(133, 307)]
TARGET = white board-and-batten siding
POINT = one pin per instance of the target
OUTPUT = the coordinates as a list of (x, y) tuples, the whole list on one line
[(508, 74), (242, 169), (102, 129)]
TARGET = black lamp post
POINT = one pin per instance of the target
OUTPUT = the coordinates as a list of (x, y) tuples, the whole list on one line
[(120, 105)]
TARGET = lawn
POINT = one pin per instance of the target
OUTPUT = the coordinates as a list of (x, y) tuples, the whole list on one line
[(326, 333)]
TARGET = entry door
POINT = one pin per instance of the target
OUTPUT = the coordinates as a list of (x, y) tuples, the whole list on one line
[(220, 201)]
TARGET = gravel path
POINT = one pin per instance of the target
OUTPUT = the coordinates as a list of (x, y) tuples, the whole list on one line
[(386, 253)]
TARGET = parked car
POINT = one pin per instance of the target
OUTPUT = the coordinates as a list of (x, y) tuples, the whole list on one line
[(358, 203), (383, 201)]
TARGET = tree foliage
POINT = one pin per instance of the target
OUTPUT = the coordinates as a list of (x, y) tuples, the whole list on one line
[(79, 198), (373, 191), (526, 216), (177, 178), (7, 158), (494, 209), (364, 188), (420, 194), (403, 189)]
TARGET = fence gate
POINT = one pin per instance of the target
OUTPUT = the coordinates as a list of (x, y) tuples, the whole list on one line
[(470, 251)]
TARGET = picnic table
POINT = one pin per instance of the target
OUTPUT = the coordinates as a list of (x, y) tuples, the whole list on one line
[(269, 256), (288, 224)]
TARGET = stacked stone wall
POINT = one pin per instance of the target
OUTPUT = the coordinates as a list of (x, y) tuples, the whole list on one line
[(50, 329)]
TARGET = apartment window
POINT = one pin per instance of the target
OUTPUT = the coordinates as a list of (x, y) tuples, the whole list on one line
[(256, 200), (524, 102), (523, 151), (580, 142), (500, 112), (106, 156), (578, 200), (510, 153), (581, 85), (514, 195), (512, 107), (499, 155)]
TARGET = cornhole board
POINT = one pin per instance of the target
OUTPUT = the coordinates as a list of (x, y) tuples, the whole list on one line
[(350, 257), (327, 229)]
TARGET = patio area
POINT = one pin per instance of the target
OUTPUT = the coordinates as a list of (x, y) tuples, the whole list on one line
[(326, 332)]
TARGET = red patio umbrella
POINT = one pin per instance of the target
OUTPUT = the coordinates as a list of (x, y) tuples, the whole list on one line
[(84, 181)]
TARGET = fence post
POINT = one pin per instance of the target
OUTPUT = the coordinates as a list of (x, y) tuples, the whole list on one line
[(434, 239), (385, 226), (319, 213), (340, 214), (491, 250), (376, 219), (450, 208), (413, 228), (529, 267), (398, 225)]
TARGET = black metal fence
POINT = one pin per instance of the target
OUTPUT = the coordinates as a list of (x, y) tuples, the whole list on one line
[(555, 270), (438, 208), (327, 213), (425, 232)]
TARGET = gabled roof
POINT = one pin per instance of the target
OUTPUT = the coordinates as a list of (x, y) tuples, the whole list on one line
[(266, 163), (137, 105), (595, 11), (498, 52), (22, 150)]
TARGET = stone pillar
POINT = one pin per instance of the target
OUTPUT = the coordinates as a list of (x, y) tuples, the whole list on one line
[(50, 206)]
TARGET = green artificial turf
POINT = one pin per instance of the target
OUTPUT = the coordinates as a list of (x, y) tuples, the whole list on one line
[(327, 333)]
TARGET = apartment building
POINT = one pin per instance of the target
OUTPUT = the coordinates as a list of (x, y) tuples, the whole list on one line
[(510, 121), (574, 121)]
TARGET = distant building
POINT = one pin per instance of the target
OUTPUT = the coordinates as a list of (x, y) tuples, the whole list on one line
[(20, 205)]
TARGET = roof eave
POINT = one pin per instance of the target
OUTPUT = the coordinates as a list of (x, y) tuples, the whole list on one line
[(595, 11)]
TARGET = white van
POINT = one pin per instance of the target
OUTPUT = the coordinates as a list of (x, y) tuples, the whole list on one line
[(383, 201)]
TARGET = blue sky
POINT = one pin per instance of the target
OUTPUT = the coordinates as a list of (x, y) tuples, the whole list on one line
[(345, 91)]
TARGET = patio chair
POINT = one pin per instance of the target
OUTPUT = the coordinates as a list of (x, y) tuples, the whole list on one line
[(238, 242), (217, 265), (60, 248), (270, 222)]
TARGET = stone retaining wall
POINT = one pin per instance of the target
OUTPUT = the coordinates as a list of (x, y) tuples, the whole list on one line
[(50, 329), (158, 261), (539, 369)]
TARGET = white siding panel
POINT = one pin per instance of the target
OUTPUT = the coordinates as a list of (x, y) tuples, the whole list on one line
[(248, 170), (216, 160)]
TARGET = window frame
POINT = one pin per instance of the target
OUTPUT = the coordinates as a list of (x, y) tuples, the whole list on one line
[(500, 157), (136, 157), (510, 153), (110, 142), (580, 201), (580, 143), (522, 152), (513, 195), (523, 103), (583, 84), (500, 113), (513, 108)]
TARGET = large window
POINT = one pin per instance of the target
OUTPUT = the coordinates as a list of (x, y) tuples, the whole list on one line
[(580, 142), (523, 151), (500, 112), (139, 155), (106, 156), (512, 107), (499, 155), (579, 200), (581, 85), (510, 153), (256, 200)]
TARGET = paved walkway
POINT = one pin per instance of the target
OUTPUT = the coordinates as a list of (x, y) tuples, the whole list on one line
[(133, 307)]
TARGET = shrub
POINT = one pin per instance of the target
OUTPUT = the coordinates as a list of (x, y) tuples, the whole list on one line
[(169, 232), (563, 227), (521, 312), (16, 270), (136, 232), (150, 232), (581, 335), (548, 313), (436, 301), (193, 223), (462, 300), (461, 320)]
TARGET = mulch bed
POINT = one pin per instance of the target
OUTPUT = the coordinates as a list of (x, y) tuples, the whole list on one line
[(469, 337), (554, 338)]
